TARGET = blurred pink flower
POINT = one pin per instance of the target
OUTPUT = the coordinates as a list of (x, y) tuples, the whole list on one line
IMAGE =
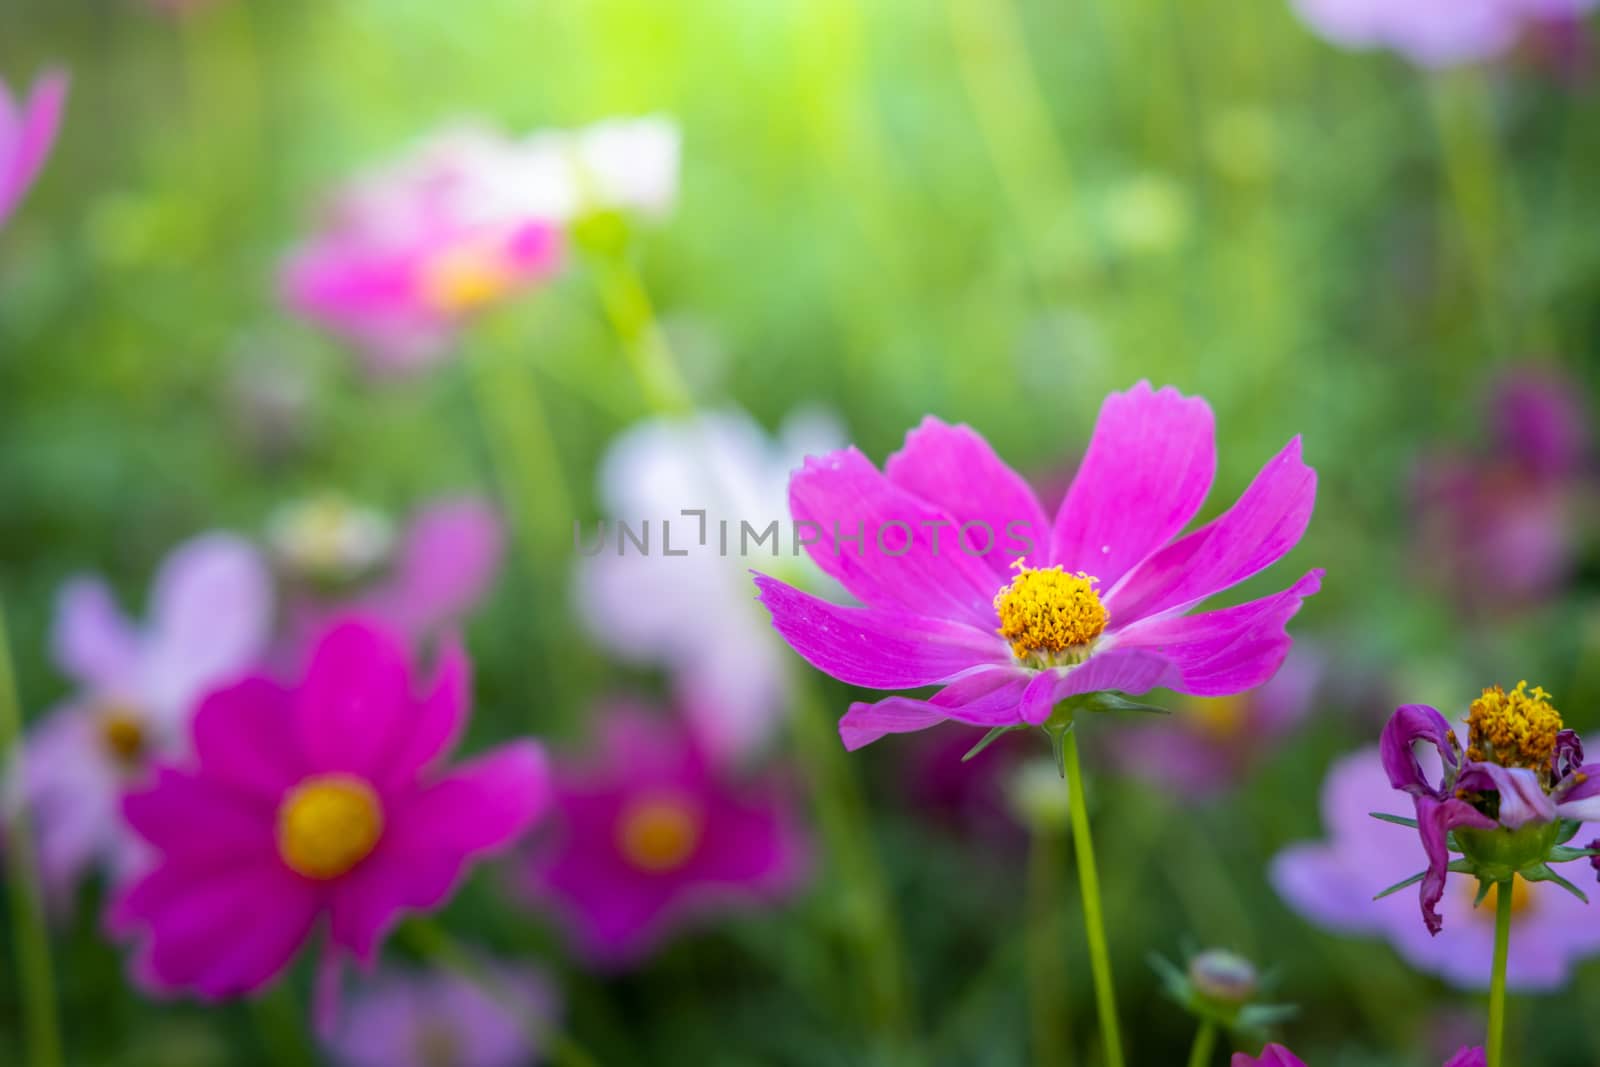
[(1434, 33), (27, 132), (1333, 882), (341, 559), (1209, 744), (442, 1019), (1513, 508), (1278, 1056), (209, 620), (651, 836), (694, 614), (321, 804)]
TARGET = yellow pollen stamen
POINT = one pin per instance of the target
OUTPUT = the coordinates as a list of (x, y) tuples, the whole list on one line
[(328, 824), (122, 731), (659, 832), (1515, 729), (1050, 615), (467, 278)]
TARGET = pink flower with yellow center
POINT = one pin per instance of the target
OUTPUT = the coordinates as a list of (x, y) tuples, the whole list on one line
[(966, 585), (321, 804), (653, 835)]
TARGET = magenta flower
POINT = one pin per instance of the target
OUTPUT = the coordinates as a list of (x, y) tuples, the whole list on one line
[(651, 836), (1522, 790), (1278, 1056), (440, 1019), (1333, 882), (210, 616), (1513, 510), (1209, 744), (1434, 33), (407, 255), (1011, 614), (27, 132), (339, 559), (319, 804)]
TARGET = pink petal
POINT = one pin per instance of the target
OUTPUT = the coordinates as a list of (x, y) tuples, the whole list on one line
[(984, 698), (23, 153), (877, 647), (1256, 532), (1218, 653), (1123, 670), (436, 721), (356, 699), (449, 560), (953, 468), (242, 736), (93, 641), (203, 822), (1145, 474), (895, 564)]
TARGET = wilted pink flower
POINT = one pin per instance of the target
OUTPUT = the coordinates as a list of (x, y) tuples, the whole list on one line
[(341, 559), (1278, 1056), (409, 253), (1209, 743), (1513, 508), (321, 804), (442, 1019), (1333, 882), (209, 619), (692, 613), (1434, 33), (27, 132), (651, 836), (1012, 614)]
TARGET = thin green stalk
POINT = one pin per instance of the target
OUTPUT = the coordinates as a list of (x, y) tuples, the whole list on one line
[(1047, 977), (633, 317), (1205, 1041), (1473, 175), (842, 818), (1497, 981), (36, 977), (1089, 886)]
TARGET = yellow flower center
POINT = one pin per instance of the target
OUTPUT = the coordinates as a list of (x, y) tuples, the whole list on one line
[(659, 832), (122, 732), (1515, 729), (328, 824), (1050, 616), (1220, 718), (467, 277)]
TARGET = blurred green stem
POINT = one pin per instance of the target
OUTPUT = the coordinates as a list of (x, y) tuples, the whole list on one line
[(1089, 885), (633, 317), (431, 941), (1472, 173), (1047, 971), (1205, 1041), (841, 814), (35, 975), (1497, 980)]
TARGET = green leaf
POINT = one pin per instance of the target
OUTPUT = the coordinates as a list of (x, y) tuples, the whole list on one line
[(1175, 981), (1413, 880), (1398, 820), (989, 739)]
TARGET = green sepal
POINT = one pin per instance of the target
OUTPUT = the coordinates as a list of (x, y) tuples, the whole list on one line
[(1057, 731), (990, 738), (1174, 981), (1565, 854), (1569, 830), (1484, 885), (1543, 873), (1258, 1017), (1398, 820), (1109, 701), (1413, 880)]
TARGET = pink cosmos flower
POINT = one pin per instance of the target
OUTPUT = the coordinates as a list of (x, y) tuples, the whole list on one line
[(1434, 33), (321, 804), (1278, 1056), (651, 836), (692, 613), (27, 132), (1011, 614), (341, 559), (441, 1019), (406, 255), (210, 616), (1209, 744), (1333, 882)]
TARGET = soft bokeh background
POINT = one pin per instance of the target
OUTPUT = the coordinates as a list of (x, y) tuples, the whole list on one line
[(992, 211)]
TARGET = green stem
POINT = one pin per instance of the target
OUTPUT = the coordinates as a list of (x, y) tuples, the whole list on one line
[(1047, 979), (1089, 886), (36, 976), (1497, 982), (1204, 1042), (633, 317)]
